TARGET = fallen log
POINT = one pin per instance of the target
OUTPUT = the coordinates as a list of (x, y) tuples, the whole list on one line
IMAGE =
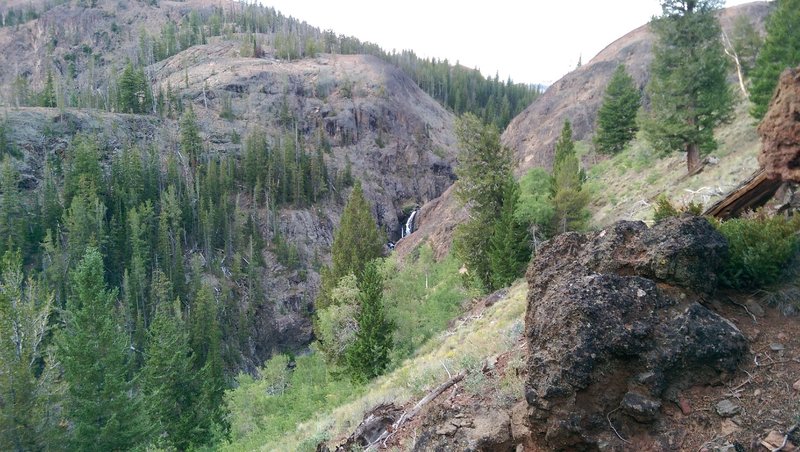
[(749, 195)]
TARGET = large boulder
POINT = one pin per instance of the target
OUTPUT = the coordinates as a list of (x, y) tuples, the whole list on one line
[(780, 130), (615, 324)]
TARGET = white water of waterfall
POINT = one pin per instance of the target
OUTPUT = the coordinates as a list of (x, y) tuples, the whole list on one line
[(409, 224)]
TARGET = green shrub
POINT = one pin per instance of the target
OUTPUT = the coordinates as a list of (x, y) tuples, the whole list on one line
[(759, 249), (267, 408), (421, 298), (665, 209)]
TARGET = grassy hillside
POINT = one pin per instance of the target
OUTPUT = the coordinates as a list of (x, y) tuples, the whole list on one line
[(341, 406), (624, 186)]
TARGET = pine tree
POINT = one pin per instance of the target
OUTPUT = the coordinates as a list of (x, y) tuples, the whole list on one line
[(5, 145), (616, 119), (85, 223), (569, 199), (205, 340), (689, 92), (509, 251), (168, 380), (781, 50), (105, 413), (48, 96), (191, 144), (368, 356), (356, 242), (83, 171), (483, 170), (25, 370), (50, 208), (135, 95), (12, 210), (170, 235)]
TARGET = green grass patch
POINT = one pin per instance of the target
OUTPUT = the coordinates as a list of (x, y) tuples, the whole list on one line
[(264, 409), (422, 296)]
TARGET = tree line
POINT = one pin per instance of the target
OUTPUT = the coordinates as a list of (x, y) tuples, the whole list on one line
[(130, 287), (128, 87)]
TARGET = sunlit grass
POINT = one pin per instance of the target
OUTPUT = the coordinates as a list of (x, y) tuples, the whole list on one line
[(625, 185), (472, 339)]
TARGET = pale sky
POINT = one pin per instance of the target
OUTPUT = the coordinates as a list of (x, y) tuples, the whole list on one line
[(533, 41)]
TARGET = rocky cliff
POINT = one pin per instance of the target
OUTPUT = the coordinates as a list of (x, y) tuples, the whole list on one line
[(364, 113)]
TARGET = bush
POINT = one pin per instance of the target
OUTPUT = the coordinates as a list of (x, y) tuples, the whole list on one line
[(267, 408), (759, 249), (422, 297), (665, 209)]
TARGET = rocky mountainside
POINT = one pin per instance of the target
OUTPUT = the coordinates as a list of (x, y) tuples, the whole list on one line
[(364, 115), (578, 95)]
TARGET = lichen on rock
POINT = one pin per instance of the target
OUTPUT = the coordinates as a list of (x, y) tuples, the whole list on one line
[(615, 325)]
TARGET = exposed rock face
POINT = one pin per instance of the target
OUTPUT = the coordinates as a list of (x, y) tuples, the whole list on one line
[(780, 130), (399, 142), (578, 95), (614, 324)]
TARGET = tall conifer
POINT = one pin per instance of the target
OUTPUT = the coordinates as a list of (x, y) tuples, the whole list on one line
[(356, 242), (616, 119), (689, 92), (368, 356), (105, 413), (569, 199)]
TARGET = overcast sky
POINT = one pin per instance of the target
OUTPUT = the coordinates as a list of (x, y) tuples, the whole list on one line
[(533, 41)]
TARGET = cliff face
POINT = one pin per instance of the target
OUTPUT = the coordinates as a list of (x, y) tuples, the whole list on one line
[(399, 141), (578, 95), (360, 110)]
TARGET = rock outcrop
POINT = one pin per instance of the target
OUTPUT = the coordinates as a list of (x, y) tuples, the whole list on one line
[(780, 130), (616, 326)]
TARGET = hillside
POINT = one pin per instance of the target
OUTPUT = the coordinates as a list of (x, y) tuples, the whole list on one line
[(361, 115), (227, 229), (625, 186), (578, 95)]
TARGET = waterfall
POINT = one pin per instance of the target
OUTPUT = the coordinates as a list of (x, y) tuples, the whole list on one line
[(409, 224)]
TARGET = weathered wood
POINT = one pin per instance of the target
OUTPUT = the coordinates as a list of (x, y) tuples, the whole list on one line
[(749, 195), (415, 410)]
